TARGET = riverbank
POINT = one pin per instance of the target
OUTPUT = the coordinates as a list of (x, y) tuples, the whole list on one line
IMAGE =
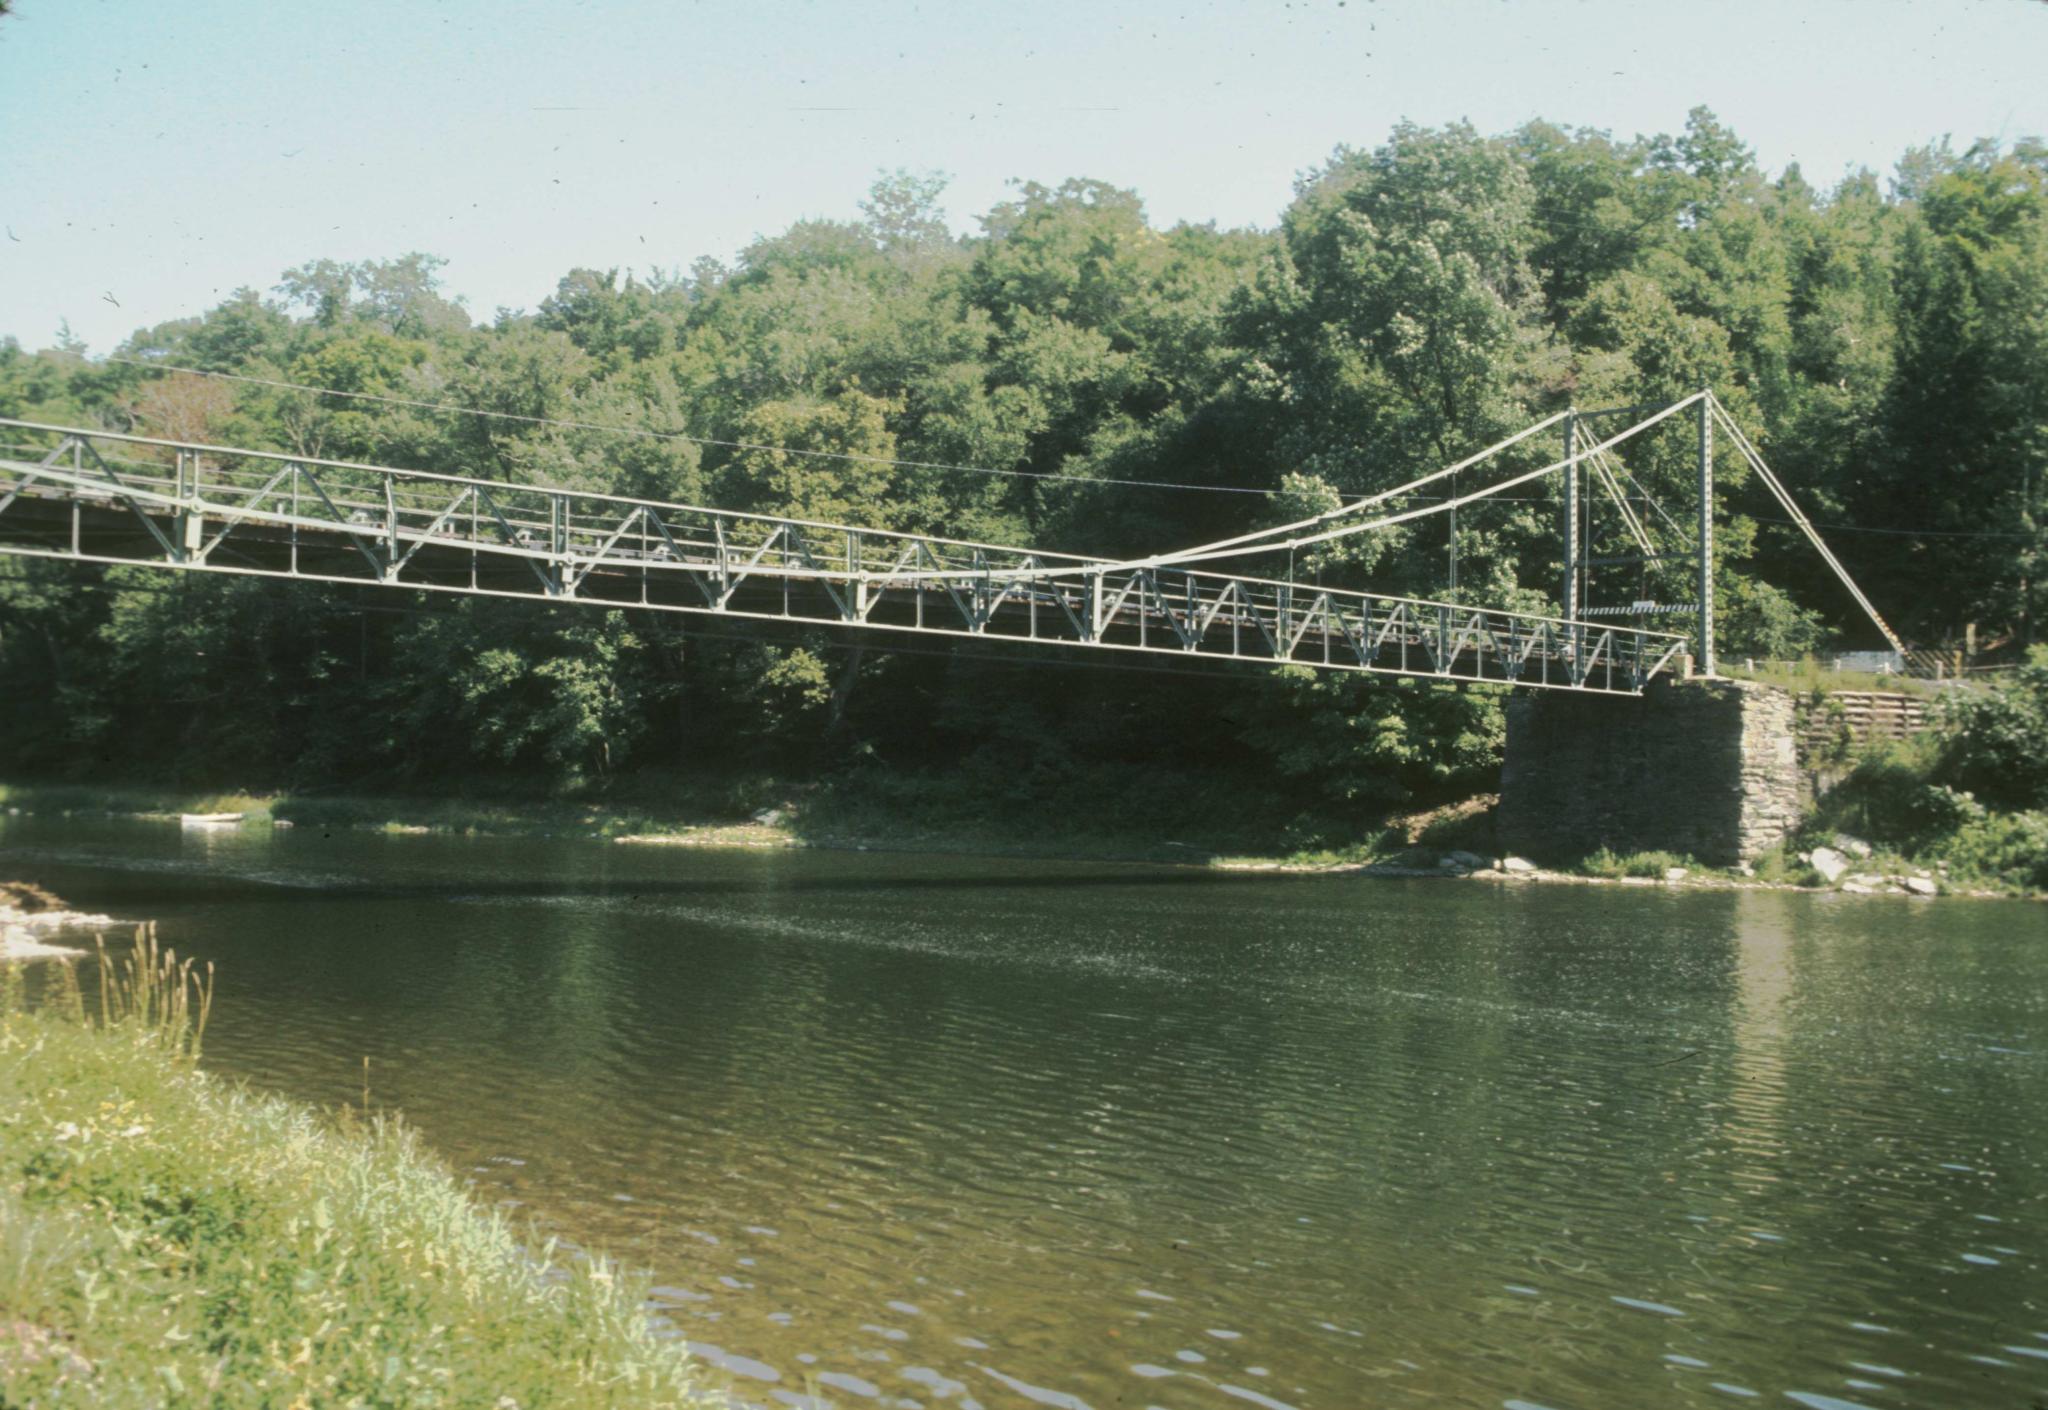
[(866, 815), (171, 1239), (884, 815), (1652, 869), (1452, 840)]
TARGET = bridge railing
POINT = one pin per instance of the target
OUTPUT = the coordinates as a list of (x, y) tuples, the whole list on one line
[(214, 508)]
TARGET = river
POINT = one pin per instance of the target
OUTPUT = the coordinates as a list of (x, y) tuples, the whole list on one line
[(956, 1132)]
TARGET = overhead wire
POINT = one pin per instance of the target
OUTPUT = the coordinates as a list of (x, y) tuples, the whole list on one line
[(568, 423), (1359, 502), (1603, 470), (114, 457), (1651, 500), (1908, 533)]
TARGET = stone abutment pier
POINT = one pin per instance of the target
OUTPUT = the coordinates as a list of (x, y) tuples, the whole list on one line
[(1706, 768)]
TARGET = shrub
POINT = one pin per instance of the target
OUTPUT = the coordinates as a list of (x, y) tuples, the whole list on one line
[(1829, 721), (1781, 867), (1467, 830), (1995, 743), (1648, 864), (2006, 847), (1889, 799)]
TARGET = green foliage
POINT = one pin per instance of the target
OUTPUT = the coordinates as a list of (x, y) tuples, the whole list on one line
[(828, 462), (789, 687), (562, 695), (1397, 307), (903, 209), (1759, 620), (1833, 737), (1359, 741), (401, 295)]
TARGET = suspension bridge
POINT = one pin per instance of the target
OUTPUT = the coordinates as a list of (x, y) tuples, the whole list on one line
[(82, 495)]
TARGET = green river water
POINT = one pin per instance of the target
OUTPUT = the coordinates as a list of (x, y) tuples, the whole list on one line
[(920, 1131)]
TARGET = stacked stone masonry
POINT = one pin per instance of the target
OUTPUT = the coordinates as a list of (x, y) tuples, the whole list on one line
[(1706, 768)]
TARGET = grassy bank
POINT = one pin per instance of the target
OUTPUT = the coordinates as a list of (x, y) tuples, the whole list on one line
[(1810, 677), (1128, 813), (514, 813), (170, 1239)]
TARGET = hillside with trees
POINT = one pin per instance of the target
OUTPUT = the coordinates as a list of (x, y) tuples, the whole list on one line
[(1073, 377)]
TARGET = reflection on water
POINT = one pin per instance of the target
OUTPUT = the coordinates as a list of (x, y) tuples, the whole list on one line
[(949, 1132)]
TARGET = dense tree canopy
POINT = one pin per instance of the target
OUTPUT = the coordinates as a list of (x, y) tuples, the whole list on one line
[(1886, 341)]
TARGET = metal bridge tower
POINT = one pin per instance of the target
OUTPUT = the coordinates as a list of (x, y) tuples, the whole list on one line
[(1705, 607)]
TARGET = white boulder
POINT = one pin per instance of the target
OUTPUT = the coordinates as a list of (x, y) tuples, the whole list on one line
[(1831, 865)]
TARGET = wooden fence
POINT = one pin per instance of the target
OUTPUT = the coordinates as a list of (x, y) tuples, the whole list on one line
[(1856, 717)]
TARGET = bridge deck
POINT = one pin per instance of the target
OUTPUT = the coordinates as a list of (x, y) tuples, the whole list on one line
[(102, 497)]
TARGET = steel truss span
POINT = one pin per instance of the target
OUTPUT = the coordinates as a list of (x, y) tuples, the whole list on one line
[(102, 497)]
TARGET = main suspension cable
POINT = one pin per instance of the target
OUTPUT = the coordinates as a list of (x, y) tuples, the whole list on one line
[(1369, 501), (1244, 549)]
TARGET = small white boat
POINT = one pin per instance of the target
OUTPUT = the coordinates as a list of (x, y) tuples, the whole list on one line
[(209, 819)]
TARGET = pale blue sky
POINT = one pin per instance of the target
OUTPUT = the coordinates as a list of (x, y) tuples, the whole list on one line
[(163, 152)]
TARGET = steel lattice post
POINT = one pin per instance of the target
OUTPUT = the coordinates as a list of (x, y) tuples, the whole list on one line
[(1570, 596), (1706, 587)]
